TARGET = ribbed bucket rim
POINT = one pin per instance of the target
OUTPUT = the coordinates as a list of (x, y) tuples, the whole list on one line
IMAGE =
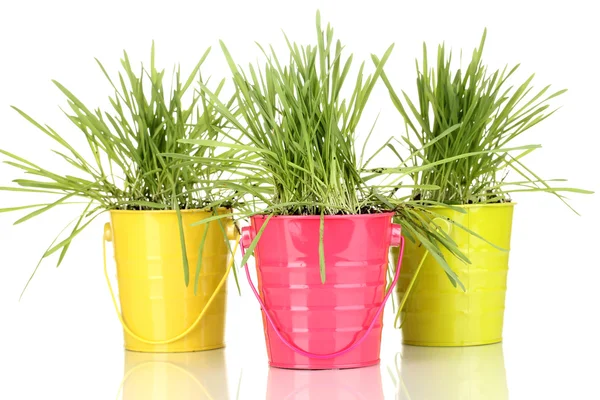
[(471, 206), (341, 216), (186, 211)]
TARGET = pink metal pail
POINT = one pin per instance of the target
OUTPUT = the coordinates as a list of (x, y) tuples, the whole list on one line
[(313, 325)]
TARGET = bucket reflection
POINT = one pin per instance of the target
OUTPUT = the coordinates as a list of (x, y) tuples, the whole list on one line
[(466, 373), (174, 376), (346, 384)]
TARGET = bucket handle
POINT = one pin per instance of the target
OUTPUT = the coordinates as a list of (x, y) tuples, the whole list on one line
[(396, 240), (108, 238)]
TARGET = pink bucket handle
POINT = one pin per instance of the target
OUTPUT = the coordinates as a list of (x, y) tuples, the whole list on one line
[(396, 240)]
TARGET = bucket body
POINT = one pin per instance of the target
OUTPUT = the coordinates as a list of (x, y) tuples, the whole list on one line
[(461, 373), (181, 376), (155, 302), (348, 384), (323, 318), (439, 314)]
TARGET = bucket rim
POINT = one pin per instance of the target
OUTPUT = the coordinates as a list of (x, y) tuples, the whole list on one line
[(186, 211), (470, 206), (387, 214)]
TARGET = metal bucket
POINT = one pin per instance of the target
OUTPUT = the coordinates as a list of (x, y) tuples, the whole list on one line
[(158, 312), (437, 313), (313, 325)]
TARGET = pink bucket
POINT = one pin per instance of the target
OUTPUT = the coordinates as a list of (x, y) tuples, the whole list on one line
[(314, 325)]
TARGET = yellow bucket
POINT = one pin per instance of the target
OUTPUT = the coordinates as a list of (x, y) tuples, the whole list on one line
[(439, 314), (158, 312), (160, 376)]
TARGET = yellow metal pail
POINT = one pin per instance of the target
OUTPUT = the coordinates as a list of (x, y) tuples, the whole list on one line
[(158, 312), (439, 314)]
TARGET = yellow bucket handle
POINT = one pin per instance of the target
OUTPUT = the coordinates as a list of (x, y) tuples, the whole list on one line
[(108, 238), (416, 274)]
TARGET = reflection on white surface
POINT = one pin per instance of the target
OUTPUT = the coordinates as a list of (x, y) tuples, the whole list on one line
[(466, 373), (174, 376), (346, 384)]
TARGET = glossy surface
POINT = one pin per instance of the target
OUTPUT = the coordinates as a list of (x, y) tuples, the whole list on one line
[(451, 373), (164, 376), (464, 373), (317, 317), (155, 302), (348, 384), (437, 313)]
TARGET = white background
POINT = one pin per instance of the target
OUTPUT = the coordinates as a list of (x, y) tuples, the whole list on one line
[(63, 339)]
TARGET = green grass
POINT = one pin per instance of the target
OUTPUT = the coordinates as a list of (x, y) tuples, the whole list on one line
[(298, 120), (475, 112), (135, 158), (294, 116)]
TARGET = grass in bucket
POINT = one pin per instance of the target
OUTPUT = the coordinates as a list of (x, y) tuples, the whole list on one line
[(133, 156), (465, 122), (298, 136), (474, 112)]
